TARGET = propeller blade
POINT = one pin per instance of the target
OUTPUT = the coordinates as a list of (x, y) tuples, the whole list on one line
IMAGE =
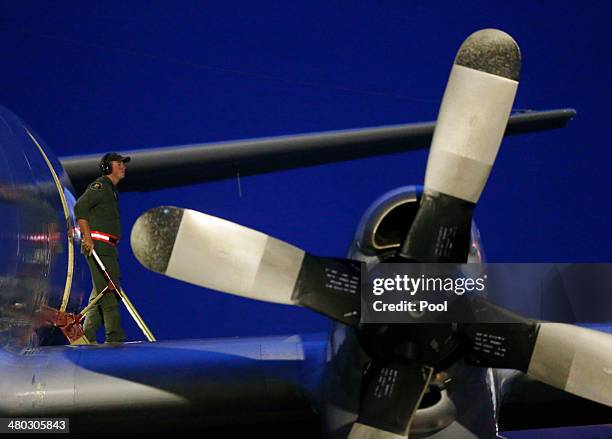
[(568, 357), (390, 397), (471, 123), (574, 359), (214, 253)]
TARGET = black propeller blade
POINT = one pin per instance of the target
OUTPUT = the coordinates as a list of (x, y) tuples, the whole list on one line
[(568, 357), (391, 394)]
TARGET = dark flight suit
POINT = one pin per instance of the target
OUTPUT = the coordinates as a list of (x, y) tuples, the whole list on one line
[(99, 206)]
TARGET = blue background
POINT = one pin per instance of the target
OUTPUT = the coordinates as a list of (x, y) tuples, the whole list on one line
[(98, 77)]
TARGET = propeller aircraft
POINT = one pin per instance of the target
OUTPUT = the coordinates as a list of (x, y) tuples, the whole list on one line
[(334, 379)]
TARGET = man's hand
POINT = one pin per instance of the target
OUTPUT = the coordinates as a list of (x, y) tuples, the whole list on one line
[(87, 245)]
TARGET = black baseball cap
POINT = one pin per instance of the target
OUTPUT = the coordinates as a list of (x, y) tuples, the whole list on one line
[(114, 157)]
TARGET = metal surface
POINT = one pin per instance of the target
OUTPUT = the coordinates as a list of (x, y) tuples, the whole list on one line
[(183, 165), (385, 223), (473, 116), (208, 381), (221, 255)]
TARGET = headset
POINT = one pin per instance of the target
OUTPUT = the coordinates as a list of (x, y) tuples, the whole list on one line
[(105, 165)]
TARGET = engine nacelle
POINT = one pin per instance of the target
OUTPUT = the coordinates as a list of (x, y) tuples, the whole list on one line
[(378, 237), (386, 222)]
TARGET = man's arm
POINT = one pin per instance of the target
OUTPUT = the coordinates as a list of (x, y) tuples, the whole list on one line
[(82, 211), (86, 241)]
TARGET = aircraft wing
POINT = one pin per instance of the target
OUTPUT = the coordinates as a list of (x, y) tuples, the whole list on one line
[(231, 384), (529, 404), (158, 168)]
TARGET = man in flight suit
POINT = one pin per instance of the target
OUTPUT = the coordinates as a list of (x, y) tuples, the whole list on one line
[(97, 214)]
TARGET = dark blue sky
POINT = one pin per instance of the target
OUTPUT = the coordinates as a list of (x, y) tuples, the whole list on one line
[(97, 77)]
